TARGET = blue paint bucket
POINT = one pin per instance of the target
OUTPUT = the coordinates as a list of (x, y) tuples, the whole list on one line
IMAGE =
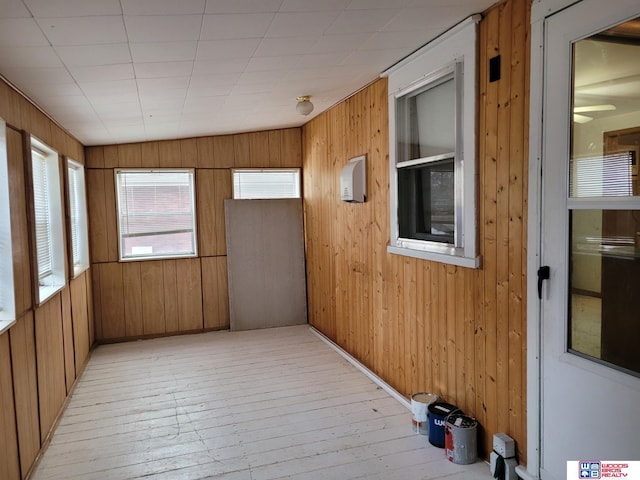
[(437, 413)]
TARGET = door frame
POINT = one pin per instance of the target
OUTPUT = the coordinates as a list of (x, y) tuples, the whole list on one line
[(540, 11)]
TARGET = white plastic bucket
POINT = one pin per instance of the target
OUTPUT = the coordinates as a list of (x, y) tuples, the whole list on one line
[(419, 404)]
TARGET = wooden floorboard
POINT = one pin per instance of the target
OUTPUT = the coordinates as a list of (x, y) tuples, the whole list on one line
[(259, 405)]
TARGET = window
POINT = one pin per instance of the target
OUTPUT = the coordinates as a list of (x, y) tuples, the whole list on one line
[(432, 156), (47, 209), (266, 183), (78, 232), (156, 214), (7, 296)]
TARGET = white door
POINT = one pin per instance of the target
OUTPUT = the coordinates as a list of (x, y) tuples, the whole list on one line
[(590, 340)]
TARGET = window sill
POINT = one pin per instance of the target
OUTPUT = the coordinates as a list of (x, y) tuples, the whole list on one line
[(46, 292), (6, 325), (451, 259)]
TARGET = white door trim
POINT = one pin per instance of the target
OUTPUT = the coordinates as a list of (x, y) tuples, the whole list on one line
[(540, 10)]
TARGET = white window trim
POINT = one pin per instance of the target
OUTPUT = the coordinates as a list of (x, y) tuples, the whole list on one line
[(77, 267), (7, 292), (57, 278), (454, 49), (170, 256)]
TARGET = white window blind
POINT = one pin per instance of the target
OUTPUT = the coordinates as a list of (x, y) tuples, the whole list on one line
[(78, 222), (266, 183), (156, 213), (44, 240), (7, 295), (48, 216), (608, 176)]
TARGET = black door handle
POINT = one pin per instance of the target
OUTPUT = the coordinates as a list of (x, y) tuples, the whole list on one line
[(543, 274)]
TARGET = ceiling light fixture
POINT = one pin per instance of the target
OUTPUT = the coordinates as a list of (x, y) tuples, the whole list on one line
[(304, 106), (577, 118), (594, 108)]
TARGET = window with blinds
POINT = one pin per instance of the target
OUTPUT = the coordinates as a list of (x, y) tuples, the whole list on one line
[(7, 296), (266, 183), (78, 230), (47, 213), (156, 213)]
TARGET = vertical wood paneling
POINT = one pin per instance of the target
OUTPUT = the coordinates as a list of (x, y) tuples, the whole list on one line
[(170, 283), (224, 151), (275, 148), (205, 149), (215, 300), (132, 286), (80, 316), (95, 157), (423, 325), (19, 227), (242, 151), (189, 280), (25, 388), (130, 155), (169, 155), (37, 355), (291, 148), (206, 211), (150, 155), (90, 311), (50, 361), (151, 278), (67, 338), (112, 300), (259, 149), (189, 153), (111, 159), (9, 465)]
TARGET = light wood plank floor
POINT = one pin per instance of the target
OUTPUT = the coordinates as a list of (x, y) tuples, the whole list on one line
[(258, 405)]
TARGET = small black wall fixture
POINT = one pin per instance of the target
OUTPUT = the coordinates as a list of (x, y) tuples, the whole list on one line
[(494, 69)]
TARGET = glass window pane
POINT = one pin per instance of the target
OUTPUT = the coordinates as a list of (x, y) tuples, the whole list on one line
[(428, 119), (426, 196), (606, 114), (604, 281), (272, 183), (156, 213)]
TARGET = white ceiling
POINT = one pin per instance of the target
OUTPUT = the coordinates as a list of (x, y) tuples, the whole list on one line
[(118, 71)]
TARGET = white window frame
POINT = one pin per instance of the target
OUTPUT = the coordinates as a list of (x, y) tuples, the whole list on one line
[(78, 221), (7, 292), (54, 279), (453, 52), (119, 172), (239, 195)]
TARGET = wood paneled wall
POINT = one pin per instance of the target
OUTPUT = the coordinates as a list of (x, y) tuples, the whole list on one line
[(42, 354), (161, 297), (420, 325)]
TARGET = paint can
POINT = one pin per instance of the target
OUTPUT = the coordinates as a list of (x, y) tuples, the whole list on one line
[(419, 403), (437, 412), (461, 438)]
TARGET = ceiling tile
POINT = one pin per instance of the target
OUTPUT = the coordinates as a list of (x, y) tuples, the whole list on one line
[(116, 87), (233, 26), (28, 57), (198, 105), (322, 59), (375, 4), (313, 5), (162, 85), (210, 80), (157, 28), (362, 21), (73, 8), (102, 98), (441, 18), (163, 69), (38, 75), (272, 47), (301, 24), (225, 49), (251, 78), (163, 7), (163, 52), (209, 89), (85, 55), (13, 9), (45, 90), (409, 39), (340, 43), (99, 73), (242, 6), (21, 32), (83, 30), (229, 65), (265, 64)]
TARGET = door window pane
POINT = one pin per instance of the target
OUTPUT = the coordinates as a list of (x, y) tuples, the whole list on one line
[(604, 323)]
